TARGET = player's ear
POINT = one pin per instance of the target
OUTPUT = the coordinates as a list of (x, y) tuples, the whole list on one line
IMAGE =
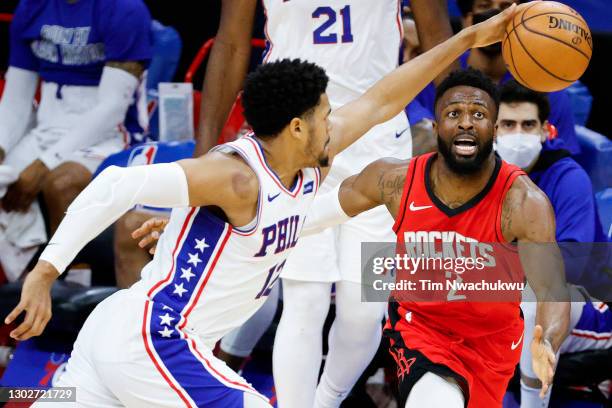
[(545, 131), (297, 127)]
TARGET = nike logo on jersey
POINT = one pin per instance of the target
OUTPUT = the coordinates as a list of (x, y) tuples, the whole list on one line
[(398, 134), (418, 208), (308, 187), (272, 198), (518, 343)]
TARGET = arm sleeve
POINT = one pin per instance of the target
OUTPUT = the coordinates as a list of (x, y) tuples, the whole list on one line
[(109, 196), (562, 116), (128, 36), (115, 94), (325, 212), (16, 105)]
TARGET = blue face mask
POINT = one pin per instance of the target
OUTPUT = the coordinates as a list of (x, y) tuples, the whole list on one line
[(520, 149)]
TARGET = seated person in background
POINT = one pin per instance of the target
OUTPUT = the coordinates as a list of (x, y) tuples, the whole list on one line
[(489, 60), (91, 56), (129, 257), (523, 140)]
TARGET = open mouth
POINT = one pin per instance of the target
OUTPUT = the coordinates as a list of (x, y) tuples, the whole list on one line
[(465, 145)]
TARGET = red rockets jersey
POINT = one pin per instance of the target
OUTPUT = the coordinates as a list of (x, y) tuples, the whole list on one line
[(426, 227)]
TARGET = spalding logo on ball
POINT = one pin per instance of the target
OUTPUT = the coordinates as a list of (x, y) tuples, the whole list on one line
[(547, 45)]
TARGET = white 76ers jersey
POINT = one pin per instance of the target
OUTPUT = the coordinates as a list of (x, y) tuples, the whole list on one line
[(215, 276), (356, 41)]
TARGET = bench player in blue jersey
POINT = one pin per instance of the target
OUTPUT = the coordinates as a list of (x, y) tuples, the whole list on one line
[(90, 56), (238, 213)]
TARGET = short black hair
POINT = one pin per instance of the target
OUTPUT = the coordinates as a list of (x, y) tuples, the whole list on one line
[(277, 92), (513, 92), (468, 77), (465, 6)]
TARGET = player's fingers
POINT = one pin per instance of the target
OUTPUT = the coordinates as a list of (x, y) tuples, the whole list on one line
[(544, 390), (147, 240), (537, 333), (14, 313), (148, 226), (24, 327)]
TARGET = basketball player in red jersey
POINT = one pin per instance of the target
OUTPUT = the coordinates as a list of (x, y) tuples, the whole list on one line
[(455, 354)]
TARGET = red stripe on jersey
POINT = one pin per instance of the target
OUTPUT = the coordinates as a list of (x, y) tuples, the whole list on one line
[(176, 246), (152, 356)]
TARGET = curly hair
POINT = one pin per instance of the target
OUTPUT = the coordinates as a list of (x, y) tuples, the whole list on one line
[(468, 77), (277, 92), (513, 92)]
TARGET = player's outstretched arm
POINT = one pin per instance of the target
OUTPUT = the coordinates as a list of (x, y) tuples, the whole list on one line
[(379, 183), (216, 179), (391, 94), (225, 71), (528, 217)]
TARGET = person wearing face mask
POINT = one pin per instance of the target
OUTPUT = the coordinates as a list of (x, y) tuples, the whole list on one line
[(489, 61), (524, 139)]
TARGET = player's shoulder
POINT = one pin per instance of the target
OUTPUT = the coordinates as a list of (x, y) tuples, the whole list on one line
[(232, 174), (388, 167), (525, 200)]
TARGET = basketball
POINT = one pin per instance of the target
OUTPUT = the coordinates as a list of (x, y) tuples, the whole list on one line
[(547, 46)]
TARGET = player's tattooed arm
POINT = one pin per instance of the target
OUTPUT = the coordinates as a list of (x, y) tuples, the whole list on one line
[(528, 218), (380, 183), (132, 67)]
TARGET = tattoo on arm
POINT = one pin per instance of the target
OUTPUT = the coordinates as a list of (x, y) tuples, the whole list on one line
[(133, 67), (391, 186)]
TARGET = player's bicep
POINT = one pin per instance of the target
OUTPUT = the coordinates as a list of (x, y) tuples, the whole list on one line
[(534, 226), (220, 180), (379, 183)]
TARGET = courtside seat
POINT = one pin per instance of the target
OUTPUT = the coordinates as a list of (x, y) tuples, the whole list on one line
[(72, 303), (596, 157)]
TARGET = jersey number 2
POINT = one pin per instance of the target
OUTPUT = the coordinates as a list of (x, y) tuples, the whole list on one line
[(320, 37)]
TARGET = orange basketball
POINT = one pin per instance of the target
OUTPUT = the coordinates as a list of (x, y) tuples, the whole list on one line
[(547, 46)]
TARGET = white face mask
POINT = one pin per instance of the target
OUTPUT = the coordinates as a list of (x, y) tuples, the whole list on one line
[(520, 149)]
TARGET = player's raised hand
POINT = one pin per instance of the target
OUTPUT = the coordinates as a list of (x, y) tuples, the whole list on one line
[(149, 232), (492, 30), (35, 301), (543, 359)]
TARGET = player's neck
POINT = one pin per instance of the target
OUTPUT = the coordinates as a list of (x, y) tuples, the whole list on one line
[(455, 189), (281, 158), (493, 67)]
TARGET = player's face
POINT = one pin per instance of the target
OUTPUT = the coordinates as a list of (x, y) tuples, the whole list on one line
[(465, 118), (521, 117), (481, 6), (317, 149)]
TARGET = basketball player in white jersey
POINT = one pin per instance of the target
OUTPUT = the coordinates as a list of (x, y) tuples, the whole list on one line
[(238, 213), (357, 42)]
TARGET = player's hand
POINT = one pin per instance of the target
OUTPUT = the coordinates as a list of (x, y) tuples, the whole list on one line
[(35, 301), (543, 359), (23, 192), (149, 232), (492, 30)]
